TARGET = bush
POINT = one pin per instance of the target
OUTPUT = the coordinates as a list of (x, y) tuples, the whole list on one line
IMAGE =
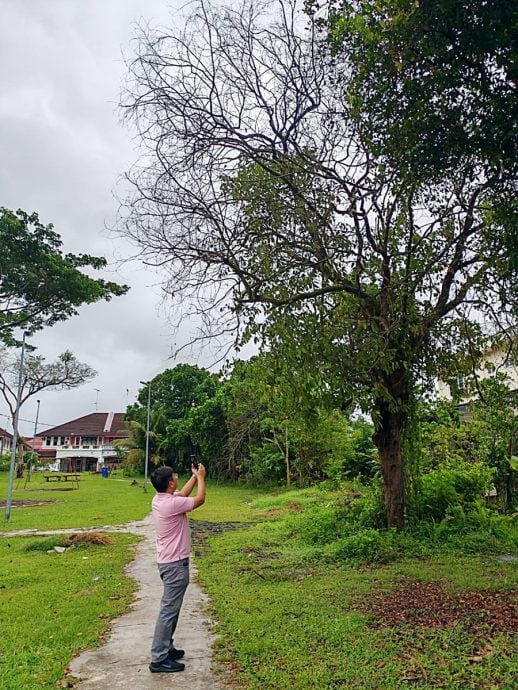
[(377, 546), (475, 530), (442, 489), (348, 525), (320, 525), (267, 465), (369, 509), (5, 461), (356, 456)]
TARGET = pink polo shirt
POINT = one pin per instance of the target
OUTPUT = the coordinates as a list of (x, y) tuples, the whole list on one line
[(173, 537)]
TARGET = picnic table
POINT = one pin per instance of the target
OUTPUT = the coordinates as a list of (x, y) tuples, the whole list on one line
[(65, 476)]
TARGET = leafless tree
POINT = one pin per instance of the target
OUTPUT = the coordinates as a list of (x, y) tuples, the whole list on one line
[(272, 217), (37, 375)]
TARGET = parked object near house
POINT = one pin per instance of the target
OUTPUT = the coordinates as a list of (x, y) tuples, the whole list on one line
[(84, 444)]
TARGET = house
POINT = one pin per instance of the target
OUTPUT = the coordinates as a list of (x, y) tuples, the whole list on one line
[(84, 444), (495, 360), (46, 456), (6, 441)]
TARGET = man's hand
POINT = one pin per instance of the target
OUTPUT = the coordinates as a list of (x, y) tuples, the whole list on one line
[(199, 471)]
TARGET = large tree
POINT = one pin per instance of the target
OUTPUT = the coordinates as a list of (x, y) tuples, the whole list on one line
[(182, 396), (260, 194), (39, 284)]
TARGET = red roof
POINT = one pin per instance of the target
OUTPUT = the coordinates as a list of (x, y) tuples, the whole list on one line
[(47, 453), (5, 433), (94, 424)]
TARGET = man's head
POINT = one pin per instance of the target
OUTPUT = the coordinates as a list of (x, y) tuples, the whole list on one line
[(164, 479)]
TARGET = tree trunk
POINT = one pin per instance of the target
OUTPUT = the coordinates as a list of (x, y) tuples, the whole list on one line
[(388, 440)]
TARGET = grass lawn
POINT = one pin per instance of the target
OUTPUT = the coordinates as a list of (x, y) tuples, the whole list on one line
[(111, 501), (54, 605), (289, 620), (97, 502), (286, 618)]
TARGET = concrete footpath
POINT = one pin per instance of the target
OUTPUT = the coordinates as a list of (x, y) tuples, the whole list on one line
[(123, 661)]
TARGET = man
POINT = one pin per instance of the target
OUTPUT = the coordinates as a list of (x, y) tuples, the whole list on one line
[(173, 544)]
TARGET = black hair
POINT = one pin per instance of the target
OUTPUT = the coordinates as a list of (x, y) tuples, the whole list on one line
[(161, 477)]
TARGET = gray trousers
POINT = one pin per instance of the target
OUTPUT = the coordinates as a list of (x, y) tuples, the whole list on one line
[(175, 577)]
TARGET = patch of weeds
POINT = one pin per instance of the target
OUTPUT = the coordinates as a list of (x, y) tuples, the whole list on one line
[(46, 544)]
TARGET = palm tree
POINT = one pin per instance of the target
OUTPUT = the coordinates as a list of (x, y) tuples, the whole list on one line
[(133, 448)]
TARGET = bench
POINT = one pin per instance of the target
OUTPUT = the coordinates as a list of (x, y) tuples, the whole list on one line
[(65, 476)]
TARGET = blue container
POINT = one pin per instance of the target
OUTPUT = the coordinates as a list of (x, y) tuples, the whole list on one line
[(104, 472)]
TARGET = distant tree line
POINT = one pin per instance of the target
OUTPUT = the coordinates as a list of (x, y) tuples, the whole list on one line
[(256, 424)]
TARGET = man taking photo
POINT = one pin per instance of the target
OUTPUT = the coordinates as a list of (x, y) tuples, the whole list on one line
[(173, 545)]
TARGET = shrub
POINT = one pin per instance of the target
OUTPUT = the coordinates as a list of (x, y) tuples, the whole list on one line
[(477, 529), (267, 464), (448, 486), (366, 546), (356, 456), (5, 461), (319, 525)]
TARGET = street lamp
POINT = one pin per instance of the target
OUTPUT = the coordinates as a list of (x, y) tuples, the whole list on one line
[(15, 434), (148, 384), (28, 478)]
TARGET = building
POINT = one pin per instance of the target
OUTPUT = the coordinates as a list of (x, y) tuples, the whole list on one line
[(6, 441), (495, 360), (84, 444)]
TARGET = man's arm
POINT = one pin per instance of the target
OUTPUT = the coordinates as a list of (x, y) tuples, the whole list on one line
[(199, 473), (188, 486)]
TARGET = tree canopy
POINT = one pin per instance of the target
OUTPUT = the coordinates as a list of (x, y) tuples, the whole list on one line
[(432, 84), (183, 402), (39, 284)]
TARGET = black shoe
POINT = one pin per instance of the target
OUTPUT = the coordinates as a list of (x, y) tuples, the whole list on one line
[(175, 654), (168, 665)]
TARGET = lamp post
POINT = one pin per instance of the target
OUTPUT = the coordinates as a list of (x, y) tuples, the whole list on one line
[(15, 434), (148, 384), (28, 479)]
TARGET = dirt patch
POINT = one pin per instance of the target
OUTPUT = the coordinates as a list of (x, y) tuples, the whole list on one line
[(89, 538), (201, 530), (27, 503), (272, 512), (428, 605)]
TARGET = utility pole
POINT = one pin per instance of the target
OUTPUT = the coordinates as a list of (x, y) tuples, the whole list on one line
[(28, 478), (15, 434), (148, 384)]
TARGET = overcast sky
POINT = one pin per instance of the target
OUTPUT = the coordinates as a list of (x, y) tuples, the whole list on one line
[(62, 150)]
